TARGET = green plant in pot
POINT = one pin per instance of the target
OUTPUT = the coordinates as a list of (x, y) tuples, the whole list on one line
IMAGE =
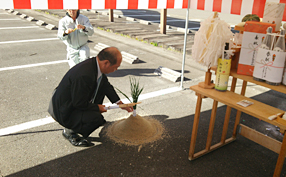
[(135, 92)]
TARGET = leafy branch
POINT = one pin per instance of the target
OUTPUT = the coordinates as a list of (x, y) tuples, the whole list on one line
[(135, 91)]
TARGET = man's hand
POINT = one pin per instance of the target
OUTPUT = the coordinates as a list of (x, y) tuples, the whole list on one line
[(80, 27), (129, 109), (68, 31), (101, 108)]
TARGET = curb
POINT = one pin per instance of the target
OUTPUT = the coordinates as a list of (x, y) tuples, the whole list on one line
[(23, 16), (127, 57), (167, 73), (117, 16), (16, 13), (30, 18), (130, 19), (41, 23), (51, 27), (145, 22)]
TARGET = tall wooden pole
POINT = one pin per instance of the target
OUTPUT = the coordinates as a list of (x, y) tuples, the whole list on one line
[(163, 21), (111, 15)]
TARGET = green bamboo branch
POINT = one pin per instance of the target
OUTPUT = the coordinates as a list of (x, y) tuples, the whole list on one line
[(135, 91)]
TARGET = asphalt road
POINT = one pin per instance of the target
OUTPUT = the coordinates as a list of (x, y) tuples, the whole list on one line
[(32, 62)]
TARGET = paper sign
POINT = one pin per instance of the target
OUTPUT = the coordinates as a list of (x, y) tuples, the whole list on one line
[(250, 44), (273, 13), (269, 65), (245, 103)]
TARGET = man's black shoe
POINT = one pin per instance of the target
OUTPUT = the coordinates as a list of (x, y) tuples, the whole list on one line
[(76, 140)]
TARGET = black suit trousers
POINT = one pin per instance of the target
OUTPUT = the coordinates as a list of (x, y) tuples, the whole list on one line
[(87, 121)]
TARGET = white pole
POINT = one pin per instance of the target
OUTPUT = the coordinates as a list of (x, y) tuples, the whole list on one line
[(185, 43)]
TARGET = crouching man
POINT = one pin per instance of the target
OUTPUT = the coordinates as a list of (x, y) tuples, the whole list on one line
[(77, 101)]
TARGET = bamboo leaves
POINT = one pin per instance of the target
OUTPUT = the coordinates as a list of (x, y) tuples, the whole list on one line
[(135, 90)]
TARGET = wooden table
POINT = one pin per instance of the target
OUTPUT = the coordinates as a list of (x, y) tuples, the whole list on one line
[(259, 110)]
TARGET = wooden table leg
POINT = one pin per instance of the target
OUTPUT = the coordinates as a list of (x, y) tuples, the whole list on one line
[(238, 113), (211, 126), (225, 125), (237, 120), (195, 127), (233, 84), (281, 158), (243, 88)]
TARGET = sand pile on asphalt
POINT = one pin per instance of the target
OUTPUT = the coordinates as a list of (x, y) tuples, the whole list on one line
[(135, 130)]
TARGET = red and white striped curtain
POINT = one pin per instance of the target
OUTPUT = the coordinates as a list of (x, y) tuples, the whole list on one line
[(93, 4), (239, 7)]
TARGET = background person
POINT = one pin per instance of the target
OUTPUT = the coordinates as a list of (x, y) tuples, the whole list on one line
[(76, 104), (74, 30)]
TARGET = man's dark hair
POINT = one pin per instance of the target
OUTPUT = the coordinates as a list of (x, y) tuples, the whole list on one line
[(108, 54)]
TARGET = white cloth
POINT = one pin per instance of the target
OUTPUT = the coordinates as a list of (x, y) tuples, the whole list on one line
[(210, 40)]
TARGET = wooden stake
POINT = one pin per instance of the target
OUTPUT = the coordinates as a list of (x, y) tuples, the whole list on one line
[(163, 21), (207, 84), (111, 18)]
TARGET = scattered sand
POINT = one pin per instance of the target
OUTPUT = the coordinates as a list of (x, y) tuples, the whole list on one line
[(135, 130)]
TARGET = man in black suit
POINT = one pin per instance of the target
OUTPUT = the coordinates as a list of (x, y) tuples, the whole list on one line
[(77, 101)]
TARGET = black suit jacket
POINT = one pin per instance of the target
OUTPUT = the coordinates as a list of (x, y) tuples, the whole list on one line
[(76, 90)]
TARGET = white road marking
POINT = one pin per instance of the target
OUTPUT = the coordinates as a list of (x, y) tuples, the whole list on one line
[(129, 10), (136, 11), (142, 15), (26, 125), (196, 20), (156, 21), (5, 28), (48, 120), (10, 19), (151, 95), (194, 28), (32, 65), (30, 40)]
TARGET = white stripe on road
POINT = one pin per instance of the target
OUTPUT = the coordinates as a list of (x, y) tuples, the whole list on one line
[(151, 94), (124, 10), (10, 19), (144, 15), (32, 65), (130, 10), (159, 93), (5, 28), (156, 21), (48, 120), (141, 15), (30, 40), (26, 125), (196, 20)]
